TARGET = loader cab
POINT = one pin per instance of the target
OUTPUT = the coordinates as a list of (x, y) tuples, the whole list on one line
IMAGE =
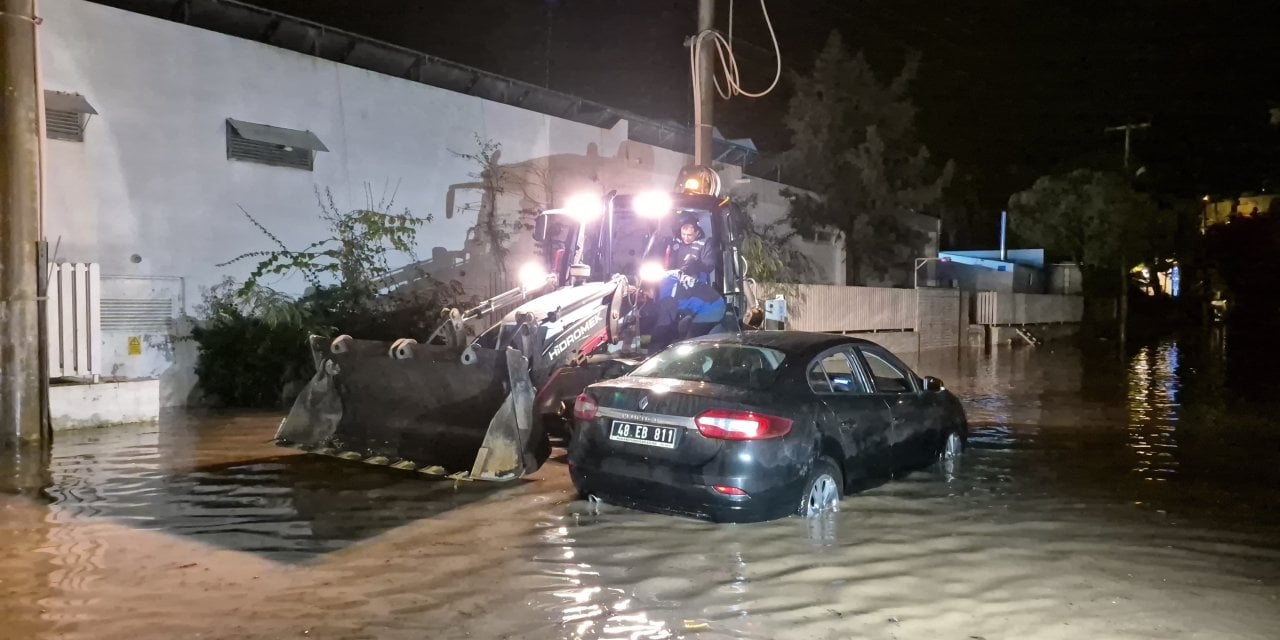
[(632, 234), (715, 219)]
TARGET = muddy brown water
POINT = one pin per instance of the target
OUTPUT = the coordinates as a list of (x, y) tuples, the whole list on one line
[(1100, 498)]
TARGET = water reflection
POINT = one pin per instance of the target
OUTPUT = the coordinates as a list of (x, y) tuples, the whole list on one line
[(1073, 456), (584, 608), (1100, 497), (1154, 410), (289, 508)]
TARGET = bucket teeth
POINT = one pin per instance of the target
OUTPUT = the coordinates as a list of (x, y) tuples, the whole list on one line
[(433, 470), (378, 460), (405, 465), (350, 455), (325, 451)]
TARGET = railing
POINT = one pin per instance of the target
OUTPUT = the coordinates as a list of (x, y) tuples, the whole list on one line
[(74, 317), (1026, 308)]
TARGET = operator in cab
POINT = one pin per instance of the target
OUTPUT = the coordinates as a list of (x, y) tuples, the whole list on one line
[(689, 256), (691, 253), (694, 310)]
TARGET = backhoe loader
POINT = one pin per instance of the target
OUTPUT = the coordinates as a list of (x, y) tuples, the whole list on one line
[(478, 398)]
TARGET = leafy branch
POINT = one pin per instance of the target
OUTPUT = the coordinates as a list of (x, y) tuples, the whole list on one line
[(354, 256), (773, 261)]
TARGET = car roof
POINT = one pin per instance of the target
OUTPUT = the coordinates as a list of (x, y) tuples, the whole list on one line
[(790, 342)]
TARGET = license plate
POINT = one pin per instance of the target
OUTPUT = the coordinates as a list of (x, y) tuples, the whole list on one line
[(646, 434)]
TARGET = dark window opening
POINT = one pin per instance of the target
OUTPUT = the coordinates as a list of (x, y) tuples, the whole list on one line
[(275, 146)]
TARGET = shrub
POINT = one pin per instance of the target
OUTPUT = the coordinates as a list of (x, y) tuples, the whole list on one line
[(253, 340)]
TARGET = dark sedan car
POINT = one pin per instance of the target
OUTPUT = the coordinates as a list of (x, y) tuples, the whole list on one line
[(758, 425)]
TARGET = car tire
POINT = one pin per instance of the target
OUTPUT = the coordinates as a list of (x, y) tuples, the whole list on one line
[(949, 454), (823, 490), (952, 446)]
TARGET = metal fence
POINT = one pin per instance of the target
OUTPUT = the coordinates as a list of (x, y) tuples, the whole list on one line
[(1026, 308), (819, 307), (837, 308)]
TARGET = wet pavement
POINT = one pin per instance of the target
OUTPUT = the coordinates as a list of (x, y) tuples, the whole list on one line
[(1101, 498)]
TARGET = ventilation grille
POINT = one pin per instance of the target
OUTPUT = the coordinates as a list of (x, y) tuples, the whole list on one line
[(63, 125), (137, 316), (241, 148)]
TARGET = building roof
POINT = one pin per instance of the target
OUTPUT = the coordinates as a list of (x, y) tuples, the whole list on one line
[(246, 21)]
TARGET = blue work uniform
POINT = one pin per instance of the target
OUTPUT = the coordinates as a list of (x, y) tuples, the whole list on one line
[(694, 259), (698, 300), (702, 302)]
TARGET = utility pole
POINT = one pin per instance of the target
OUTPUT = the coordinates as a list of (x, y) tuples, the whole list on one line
[(705, 84), (1128, 131), (546, 57), (21, 399), (1123, 301)]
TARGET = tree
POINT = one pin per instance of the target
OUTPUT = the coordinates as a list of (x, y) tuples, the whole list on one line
[(1094, 218), (854, 147), (963, 224), (1243, 252), (773, 262)]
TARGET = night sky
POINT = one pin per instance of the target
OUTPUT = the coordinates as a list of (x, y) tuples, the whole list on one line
[(1009, 89)]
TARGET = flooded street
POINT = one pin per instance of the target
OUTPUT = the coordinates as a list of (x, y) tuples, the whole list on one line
[(1100, 498)]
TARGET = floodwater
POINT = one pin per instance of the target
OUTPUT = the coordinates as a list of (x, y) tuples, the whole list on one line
[(1101, 498)]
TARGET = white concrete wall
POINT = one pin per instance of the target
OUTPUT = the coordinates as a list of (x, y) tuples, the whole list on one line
[(152, 178), (79, 406)]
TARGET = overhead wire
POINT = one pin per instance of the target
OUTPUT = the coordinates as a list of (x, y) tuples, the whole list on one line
[(729, 63)]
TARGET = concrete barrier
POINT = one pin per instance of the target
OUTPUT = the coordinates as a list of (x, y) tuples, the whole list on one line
[(81, 406)]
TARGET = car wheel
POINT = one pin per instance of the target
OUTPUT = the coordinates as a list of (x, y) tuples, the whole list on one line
[(949, 456), (822, 491), (952, 446)]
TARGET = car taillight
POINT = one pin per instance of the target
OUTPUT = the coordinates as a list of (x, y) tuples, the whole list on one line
[(741, 425), (585, 407)]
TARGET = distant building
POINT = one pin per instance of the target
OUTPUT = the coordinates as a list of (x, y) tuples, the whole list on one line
[(1018, 271), (1221, 210)]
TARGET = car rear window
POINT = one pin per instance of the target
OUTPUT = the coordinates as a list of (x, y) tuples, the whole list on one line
[(737, 365)]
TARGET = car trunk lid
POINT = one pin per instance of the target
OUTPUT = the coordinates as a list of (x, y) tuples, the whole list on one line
[(631, 407)]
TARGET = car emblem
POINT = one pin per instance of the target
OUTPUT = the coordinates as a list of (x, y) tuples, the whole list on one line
[(644, 403)]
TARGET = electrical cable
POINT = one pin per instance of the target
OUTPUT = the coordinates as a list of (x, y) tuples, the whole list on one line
[(729, 63)]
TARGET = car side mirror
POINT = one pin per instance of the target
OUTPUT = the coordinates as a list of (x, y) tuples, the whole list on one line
[(933, 384), (540, 228)]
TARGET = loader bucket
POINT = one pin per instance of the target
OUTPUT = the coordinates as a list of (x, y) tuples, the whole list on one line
[(438, 410)]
